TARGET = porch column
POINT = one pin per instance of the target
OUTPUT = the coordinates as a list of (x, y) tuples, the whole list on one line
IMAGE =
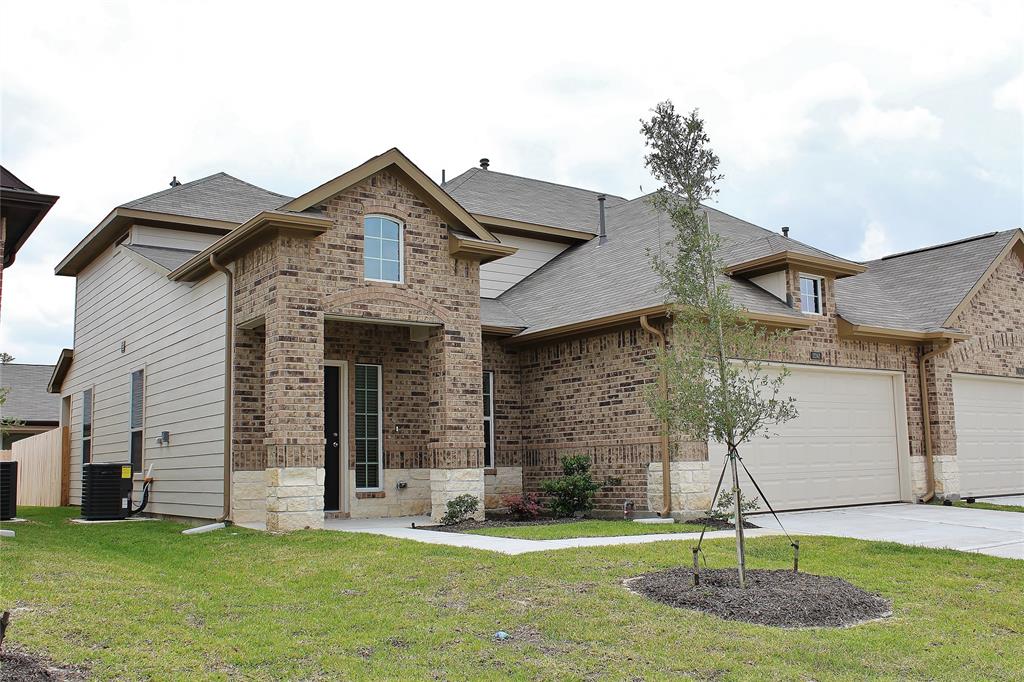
[(938, 391), (294, 415), (456, 416)]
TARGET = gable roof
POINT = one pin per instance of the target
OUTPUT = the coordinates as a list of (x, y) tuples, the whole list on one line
[(166, 257), (488, 193), (392, 158), (216, 197), (920, 290), (28, 400)]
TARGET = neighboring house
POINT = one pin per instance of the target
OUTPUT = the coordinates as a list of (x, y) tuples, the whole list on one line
[(29, 406), (21, 209), (382, 344)]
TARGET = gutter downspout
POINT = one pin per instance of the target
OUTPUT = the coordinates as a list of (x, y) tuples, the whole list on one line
[(666, 482), (929, 466), (228, 352)]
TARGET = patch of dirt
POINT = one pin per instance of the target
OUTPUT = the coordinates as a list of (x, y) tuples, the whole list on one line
[(23, 666), (721, 524), (779, 598)]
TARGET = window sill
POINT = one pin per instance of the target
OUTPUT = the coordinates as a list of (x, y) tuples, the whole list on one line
[(369, 494), (490, 471)]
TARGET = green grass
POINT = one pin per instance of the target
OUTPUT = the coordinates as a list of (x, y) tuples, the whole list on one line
[(991, 506), (585, 529), (142, 601)]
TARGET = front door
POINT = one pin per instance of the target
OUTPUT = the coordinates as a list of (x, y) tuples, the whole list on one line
[(335, 381)]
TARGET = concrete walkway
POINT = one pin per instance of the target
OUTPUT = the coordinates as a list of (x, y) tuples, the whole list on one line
[(402, 528), (997, 533)]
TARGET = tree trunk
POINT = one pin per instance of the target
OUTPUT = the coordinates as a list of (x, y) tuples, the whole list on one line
[(741, 556)]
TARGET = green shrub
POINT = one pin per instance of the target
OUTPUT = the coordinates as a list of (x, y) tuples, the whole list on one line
[(574, 492), (460, 508), (725, 506)]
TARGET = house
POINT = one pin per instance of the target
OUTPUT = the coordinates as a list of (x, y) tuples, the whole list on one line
[(29, 409), (381, 344), (21, 209)]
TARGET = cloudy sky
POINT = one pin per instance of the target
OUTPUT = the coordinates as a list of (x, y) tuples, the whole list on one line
[(869, 129)]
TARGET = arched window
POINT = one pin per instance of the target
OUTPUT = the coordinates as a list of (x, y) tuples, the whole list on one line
[(382, 249)]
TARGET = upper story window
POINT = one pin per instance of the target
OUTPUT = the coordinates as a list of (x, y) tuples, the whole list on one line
[(810, 294), (382, 249)]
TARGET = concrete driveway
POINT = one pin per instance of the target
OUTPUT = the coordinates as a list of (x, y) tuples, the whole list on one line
[(996, 533)]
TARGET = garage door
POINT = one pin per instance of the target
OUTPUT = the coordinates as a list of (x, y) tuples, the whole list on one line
[(842, 449), (989, 434)]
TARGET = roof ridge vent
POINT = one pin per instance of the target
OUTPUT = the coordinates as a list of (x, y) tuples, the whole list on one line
[(485, 163), (175, 182), (940, 246)]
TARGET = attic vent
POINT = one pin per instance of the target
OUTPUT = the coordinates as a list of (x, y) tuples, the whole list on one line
[(485, 163), (174, 181)]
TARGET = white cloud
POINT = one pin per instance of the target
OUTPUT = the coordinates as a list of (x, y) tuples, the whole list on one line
[(876, 242), (1010, 95), (873, 123)]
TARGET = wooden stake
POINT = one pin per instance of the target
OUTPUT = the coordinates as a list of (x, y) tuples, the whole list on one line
[(796, 556), (696, 568)]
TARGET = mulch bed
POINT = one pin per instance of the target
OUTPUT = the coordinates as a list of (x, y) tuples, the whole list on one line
[(26, 667), (467, 526), (778, 598), (721, 524)]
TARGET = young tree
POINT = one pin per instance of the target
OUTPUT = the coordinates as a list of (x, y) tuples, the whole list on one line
[(718, 386)]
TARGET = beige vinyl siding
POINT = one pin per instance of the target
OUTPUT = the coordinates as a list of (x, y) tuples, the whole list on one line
[(176, 333), (500, 275), (147, 235)]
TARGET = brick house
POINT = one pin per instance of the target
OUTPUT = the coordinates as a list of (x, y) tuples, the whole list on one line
[(21, 209), (383, 343)]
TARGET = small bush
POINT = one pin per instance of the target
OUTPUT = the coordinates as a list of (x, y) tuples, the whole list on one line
[(574, 492), (522, 507), (725, 506), (460, 508)]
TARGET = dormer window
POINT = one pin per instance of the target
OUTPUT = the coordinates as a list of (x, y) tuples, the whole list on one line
[(810, 294), (382, 249)]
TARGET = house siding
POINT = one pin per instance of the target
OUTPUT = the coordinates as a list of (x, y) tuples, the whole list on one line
[(176, 333), (501, 275)]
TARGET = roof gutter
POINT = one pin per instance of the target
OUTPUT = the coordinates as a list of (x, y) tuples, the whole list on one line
[(228, 383), (666, 483), (929, 466)]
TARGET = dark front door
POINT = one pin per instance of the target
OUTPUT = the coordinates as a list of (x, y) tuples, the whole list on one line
[(332, 434)]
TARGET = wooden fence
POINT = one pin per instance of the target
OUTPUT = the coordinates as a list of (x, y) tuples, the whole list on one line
[(44, 468)]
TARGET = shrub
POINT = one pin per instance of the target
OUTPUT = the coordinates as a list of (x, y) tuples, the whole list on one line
[(725, 506), (573, 493), (522, 507), (460, 508)]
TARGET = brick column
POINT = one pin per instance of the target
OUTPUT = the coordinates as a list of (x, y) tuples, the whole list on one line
[(456, 416), (294, 364), (939, 393)]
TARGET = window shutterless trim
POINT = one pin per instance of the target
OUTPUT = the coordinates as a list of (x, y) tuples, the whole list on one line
[(401, 249), (139, 429), (86, 439), (819, 299), (488, 396)]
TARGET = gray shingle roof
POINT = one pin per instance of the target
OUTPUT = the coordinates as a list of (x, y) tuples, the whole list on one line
[(527, 200), (165, 257), (28, 400), (216, 197), (592, 280), (495, 313), (918, 290)]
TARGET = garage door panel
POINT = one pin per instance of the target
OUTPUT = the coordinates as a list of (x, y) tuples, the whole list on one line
[(989, 414), (841, 449)]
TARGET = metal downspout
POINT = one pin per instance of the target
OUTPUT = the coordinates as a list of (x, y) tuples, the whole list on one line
[(929, 466), (666, 482), (228, 352)]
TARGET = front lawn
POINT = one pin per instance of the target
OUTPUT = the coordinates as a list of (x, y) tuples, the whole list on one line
[(590, 528), (142, 601), (991, 506)]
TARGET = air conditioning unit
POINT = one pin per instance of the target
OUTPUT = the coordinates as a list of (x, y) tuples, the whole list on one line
[(106, 491), (8, 490)]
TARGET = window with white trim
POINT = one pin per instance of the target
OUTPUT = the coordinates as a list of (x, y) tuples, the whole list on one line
[(488, 420), (810, 294), (138, 399), (369, 430), (382, 249), (86, 426)]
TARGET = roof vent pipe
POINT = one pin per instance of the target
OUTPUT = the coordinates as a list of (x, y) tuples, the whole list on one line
[(174, 181), (443, 174), (485, 162), (602, 235), (785, 230)]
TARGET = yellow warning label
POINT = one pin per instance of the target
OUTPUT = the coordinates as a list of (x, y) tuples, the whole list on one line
[(126, 472)]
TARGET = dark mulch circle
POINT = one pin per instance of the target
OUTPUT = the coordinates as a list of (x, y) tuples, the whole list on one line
[(721, 524), (503, 522), (779, 598), (27, 667)]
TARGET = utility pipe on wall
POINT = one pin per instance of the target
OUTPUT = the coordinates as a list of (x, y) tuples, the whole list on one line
[(929, 466), (228, 352), (666, 481)]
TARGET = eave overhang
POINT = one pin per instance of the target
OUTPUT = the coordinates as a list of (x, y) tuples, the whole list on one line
[(256, 230), (60, 370), (863, 332), (534, 230), (23, 210), (477, 249), (784, 260)]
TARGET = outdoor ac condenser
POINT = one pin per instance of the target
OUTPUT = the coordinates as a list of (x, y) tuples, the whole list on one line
[(106, 491)]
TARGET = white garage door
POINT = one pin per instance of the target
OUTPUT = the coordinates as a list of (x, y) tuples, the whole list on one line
[(844, 448), (989, 434)]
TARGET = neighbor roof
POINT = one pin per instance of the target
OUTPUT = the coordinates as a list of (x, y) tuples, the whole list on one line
[(919, 290), (22, 208), (216, 197), (28, 400), (498, 195)]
